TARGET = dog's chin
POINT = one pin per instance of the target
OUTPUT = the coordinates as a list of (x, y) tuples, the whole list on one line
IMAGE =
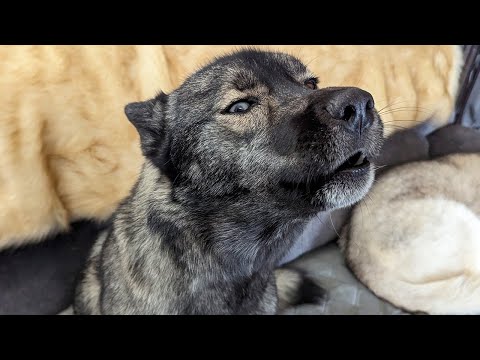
[(342, 187)]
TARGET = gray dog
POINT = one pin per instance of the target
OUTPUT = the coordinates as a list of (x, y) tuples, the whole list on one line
[(238, 159)]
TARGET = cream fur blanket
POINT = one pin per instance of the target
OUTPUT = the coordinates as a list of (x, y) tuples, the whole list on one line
[(68, 151)]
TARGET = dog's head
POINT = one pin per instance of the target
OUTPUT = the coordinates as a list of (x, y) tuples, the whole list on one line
[(256, 122)]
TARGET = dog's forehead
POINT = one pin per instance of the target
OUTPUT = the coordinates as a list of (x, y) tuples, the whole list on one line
[(252, 65), (247, 69)]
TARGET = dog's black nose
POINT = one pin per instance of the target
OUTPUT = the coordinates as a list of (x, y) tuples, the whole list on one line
[(352, 105)]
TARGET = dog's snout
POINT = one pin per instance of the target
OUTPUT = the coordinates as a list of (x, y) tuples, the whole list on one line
[(351, 105)]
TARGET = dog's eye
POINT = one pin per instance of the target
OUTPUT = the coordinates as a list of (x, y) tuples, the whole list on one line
[(311, 83), (239, 107)]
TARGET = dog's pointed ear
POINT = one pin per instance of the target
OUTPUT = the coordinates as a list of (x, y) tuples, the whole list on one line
[(148, 119), (140, 115)]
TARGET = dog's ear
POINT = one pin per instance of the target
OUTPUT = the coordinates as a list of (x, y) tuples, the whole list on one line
[(140, 115), (148, 117)]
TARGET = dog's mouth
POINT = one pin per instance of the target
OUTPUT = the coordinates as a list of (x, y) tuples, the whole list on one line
[(354, 166), (356, 162)]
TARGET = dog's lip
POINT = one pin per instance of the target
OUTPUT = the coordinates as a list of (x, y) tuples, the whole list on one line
[(355, 164)]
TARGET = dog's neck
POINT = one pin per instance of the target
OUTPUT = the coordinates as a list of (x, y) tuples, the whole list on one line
[(241, 236)]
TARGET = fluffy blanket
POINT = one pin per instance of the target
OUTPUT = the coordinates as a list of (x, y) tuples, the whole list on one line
[(68, 151)]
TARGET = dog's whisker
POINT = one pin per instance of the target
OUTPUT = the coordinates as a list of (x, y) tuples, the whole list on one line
[(398, 127), (378, 167), (392, 104), (403, 120), (402, 111), (333, 226), (312, 60), (408, 108)]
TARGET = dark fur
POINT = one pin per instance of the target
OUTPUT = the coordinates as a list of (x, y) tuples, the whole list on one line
[(222, 197)]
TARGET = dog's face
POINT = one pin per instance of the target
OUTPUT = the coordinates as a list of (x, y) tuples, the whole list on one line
[(255, 122)]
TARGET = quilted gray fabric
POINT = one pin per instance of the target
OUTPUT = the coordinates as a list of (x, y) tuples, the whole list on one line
[(346, 295)]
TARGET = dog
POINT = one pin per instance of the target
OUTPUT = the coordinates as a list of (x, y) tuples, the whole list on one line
[(237, 160)]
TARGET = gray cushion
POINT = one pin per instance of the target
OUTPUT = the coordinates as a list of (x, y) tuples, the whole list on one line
[(39, 279)]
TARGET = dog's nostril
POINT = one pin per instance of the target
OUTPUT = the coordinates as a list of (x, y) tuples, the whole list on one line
[(370, 104), (348, 113)]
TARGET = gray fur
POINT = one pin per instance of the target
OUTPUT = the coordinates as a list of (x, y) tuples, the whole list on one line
[(211, 214)]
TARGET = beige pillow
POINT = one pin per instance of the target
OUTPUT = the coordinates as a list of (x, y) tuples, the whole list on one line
[(68, 151)]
